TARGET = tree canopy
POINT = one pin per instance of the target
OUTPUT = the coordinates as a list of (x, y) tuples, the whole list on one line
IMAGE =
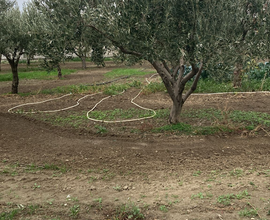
[(14, 39)]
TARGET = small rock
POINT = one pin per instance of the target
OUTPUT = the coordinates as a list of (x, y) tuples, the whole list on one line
[(125, 188)]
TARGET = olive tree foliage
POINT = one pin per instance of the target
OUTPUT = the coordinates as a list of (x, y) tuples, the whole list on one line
[(60, 31), (262, 48), (14, 39), (85, 42), (5, 5), (174, 34), (50, 34), (249, 28)]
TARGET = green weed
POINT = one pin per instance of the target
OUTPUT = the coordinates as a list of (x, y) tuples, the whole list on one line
[(101, 129), (225, 199), (31, 209), (248, 213), (128, 211), (74, 211), (115, 89), (163, 208), (117, 188), (9, 215), (180, 127), (236, 172), (36, 186), (202, 196), (197, 173)]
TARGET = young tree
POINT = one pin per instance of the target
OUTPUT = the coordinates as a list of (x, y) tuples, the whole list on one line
[(13, 41), (172, 34)]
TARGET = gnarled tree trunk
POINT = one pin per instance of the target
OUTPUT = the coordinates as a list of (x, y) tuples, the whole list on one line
[(175, 81)]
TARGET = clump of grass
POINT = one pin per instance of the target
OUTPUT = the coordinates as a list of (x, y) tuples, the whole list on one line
[(183, 128), (180, 127), (119, 114), (227, 199), (248, 213), (128, 211), (115, 89), (153, 88)]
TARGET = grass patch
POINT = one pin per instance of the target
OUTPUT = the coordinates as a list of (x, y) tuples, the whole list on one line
[(211, 86), (127, 72), (9, 215), (154, 87), (35, 74), (226, 200), (113, 89), (213, 121), (118, 114), (183, 128), (248, 213)]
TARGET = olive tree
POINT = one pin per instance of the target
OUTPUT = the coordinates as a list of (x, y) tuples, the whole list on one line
[(173, 34), (14, 40), (50, 37), (61, 31)]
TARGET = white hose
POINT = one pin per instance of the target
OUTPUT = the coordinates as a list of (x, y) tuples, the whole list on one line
[(224, 93), (50, 111)]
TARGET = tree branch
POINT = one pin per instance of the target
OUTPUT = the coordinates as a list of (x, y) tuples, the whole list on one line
[(117, 44), (166, 66), (175, 71), (162, 71), (194, 84)]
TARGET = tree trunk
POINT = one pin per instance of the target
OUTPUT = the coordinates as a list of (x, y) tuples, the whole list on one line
[(28, 61), (59, 71), (237, 75), (0, 62), (175, 112), (15, 76), (83, 58), (175, 81)]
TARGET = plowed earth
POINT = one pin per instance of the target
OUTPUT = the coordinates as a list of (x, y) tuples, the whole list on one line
[(52, 172)]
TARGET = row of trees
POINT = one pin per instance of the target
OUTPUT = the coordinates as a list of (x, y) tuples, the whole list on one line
[(169, 34)]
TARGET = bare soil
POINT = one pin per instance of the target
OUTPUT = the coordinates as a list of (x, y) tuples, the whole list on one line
[(52, 172)]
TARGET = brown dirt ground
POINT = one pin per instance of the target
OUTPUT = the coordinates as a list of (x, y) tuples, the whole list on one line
[(166, 176)]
